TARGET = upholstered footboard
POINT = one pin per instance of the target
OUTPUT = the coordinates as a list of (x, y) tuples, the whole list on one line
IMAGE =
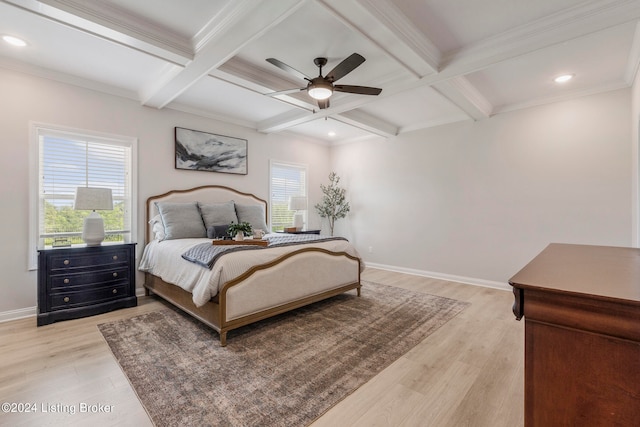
[(296, 279)]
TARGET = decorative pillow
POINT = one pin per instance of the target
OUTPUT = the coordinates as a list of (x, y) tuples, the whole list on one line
[(218, 213), (254, 215), (181, 220), (157, 228), (218, 231)]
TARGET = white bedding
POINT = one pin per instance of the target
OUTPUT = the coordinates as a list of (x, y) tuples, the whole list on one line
[(164, 259)]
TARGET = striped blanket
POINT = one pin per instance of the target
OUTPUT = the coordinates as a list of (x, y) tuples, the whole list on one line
[(206, 254)]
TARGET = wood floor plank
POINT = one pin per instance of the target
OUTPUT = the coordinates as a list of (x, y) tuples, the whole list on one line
[(468, 372)]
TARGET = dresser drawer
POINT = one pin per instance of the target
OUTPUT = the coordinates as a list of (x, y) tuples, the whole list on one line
[(66, 300), (72, 280), (77, 261)]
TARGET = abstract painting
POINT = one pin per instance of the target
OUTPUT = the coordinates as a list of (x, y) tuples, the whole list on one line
[(203, 151)]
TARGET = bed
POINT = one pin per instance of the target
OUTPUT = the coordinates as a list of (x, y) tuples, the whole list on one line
[(245, 286)]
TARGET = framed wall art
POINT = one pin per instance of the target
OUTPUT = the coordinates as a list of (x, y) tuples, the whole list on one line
[(203, 151)]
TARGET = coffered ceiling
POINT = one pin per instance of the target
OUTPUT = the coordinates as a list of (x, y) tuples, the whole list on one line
[(437, 61)]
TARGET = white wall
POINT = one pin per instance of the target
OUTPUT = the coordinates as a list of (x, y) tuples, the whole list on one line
[(26, 98), (478, 200), (467, 200)]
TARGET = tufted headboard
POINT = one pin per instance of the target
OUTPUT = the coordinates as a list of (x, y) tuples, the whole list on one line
[(204, 194)]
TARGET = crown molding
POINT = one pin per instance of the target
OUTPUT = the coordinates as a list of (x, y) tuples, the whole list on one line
[(45, 73), (568, 96)]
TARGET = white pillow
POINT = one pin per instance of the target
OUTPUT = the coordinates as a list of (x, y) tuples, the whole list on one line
[(157, 228), (181, 220)]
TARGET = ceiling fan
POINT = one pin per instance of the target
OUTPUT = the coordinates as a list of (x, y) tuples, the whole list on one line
[(321, 88)]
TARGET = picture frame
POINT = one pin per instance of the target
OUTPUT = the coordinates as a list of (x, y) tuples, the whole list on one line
[(204, 151)]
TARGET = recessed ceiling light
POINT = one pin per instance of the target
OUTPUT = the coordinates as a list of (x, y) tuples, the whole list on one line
[(563, 78), (14, 41), (331, 133)]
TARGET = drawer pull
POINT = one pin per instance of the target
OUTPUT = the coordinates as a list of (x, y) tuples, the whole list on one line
[(66, 299), (115, 291), (115, 274), (66, 281), (65, 262), (115, 257)]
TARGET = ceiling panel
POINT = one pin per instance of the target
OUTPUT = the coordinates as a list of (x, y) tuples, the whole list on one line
[(63, 49), (529, 78)]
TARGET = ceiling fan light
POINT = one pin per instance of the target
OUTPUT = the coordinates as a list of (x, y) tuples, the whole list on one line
[(320, 90)]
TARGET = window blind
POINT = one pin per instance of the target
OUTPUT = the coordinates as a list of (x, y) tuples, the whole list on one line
[(286, 180), (68, 161)]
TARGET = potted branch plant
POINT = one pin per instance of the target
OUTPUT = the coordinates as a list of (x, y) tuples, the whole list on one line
[(334, 205), (239, 230)]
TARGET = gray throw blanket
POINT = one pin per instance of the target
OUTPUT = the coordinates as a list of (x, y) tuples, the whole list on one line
[(206, 254)]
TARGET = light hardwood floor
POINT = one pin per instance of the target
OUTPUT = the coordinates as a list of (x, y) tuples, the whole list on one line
[(468, 373)]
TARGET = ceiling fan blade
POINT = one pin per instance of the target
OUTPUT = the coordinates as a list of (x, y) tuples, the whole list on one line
[(323, 103), (287, 68), (286, 91), (362, 90), (345, 67)]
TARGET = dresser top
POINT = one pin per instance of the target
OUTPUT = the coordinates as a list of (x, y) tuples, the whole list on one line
[(602, 272)]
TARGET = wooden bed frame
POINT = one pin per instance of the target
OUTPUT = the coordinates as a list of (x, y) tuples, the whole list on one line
[(264, 290)]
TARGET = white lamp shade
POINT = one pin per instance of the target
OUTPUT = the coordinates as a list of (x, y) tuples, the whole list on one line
[(92, 198), (297, 203)]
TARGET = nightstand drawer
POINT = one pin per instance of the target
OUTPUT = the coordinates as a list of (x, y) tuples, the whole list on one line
[(88, 279), (68, 300), (68, 262)]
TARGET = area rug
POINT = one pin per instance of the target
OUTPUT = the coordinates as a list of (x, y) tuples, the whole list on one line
[(283, 371)]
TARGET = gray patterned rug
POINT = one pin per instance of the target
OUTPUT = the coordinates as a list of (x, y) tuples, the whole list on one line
[(283, 371)]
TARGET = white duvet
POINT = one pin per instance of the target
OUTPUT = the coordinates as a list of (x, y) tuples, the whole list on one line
[(164, 259)]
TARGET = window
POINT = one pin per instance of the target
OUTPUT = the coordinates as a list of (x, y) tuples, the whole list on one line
[(65, 159), (286, 180)]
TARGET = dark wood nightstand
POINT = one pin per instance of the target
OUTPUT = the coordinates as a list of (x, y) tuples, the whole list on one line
[(84, 281), (300, 232)]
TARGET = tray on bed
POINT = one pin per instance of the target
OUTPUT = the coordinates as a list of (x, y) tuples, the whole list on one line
[(254, 242)]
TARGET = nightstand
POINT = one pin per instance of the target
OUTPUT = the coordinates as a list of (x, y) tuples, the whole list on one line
[(300, 232), (84, 281)]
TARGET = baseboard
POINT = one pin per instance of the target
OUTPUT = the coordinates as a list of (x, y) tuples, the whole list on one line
[(443, 276), (7, 316)]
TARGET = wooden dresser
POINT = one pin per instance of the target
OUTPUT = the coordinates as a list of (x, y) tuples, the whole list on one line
[(581, 306), (83, 281)]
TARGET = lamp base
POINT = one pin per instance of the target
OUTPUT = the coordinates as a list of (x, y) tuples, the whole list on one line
[(298, 221), (93, 229)]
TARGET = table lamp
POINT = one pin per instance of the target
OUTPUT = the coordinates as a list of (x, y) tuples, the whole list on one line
[(298, 204), (92, 198)]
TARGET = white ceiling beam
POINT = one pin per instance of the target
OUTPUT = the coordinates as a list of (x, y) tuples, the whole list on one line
[(101, 20), (558, 28), (367, 122), (242, 22), (384, 25), (463, 94), (566, 25)]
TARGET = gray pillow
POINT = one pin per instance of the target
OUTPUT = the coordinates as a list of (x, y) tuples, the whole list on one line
[(254, 215), (218, 213), (181, 220)]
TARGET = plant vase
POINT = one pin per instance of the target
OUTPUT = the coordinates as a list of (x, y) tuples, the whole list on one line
[(239, 236)]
